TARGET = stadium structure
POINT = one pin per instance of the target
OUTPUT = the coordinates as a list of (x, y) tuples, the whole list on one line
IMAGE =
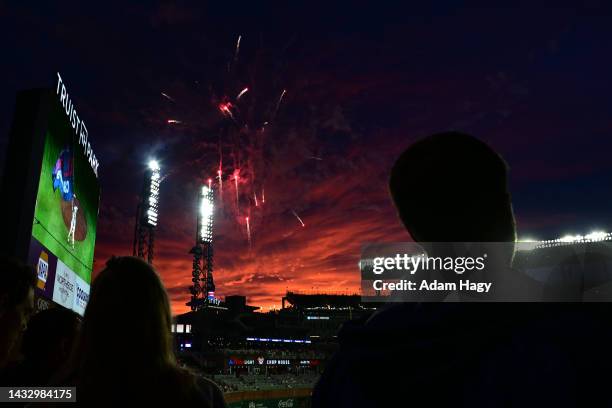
[(203, 286), (580, 266), (146, 214), (277, 357)]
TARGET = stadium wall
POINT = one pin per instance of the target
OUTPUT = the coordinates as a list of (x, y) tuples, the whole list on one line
[(290, 398)]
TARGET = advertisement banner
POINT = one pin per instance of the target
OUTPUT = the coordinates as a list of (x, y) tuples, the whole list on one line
[(292, 402), (81, 295), (64, 291), (45, 264)]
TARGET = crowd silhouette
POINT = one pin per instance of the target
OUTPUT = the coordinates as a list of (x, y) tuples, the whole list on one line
[(112, 359)]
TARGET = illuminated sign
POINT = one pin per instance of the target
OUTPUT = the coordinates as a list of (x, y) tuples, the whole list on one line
[(278, 340), (213, 300), (277, 362), (237, 361), (78, 125)]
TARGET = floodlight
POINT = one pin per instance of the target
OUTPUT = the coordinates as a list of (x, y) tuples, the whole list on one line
[(153, 165)]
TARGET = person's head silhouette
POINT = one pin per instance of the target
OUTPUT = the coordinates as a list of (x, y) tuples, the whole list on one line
[(452, 187), (125, 336), (125, 345), (59, 328), (126, 287), (16, 304)]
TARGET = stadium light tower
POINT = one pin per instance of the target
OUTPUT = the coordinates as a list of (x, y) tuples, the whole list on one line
[(147, 212), (203, 288)]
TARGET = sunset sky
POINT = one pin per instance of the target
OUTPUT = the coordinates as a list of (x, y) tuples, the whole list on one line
[(362, 82)]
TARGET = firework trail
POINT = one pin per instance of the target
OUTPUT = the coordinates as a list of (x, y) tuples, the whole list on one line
[(168, 97), (165, 176), (315, 158), (236, 177), (226, 109), (238, 120), (175, 169), (237, 49), (220, 172), (245, 90), (298, 218), (219, 175), (210, 183), (279, 102), (248, 227)]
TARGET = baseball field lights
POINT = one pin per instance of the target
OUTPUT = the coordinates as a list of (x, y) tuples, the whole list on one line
[(147, 213), (153, 165), (594, 236), (206, 214), (152, 199)]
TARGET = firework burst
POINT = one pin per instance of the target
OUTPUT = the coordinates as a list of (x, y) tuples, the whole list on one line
[(237, 122)]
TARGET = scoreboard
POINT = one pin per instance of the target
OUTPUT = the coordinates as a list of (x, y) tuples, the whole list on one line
[(51, 191)]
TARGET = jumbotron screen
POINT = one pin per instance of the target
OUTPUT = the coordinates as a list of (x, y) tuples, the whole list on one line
[(66, 212)]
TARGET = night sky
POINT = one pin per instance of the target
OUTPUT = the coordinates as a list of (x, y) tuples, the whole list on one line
[(362, 82)]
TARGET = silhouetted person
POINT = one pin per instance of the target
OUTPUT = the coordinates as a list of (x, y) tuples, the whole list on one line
[(16, 306), (124, 353), (47, 346), (451, 187)]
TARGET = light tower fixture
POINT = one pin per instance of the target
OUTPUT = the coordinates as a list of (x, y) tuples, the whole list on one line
[(207, 210), (152, 195), (203, 288), (147, 212)]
